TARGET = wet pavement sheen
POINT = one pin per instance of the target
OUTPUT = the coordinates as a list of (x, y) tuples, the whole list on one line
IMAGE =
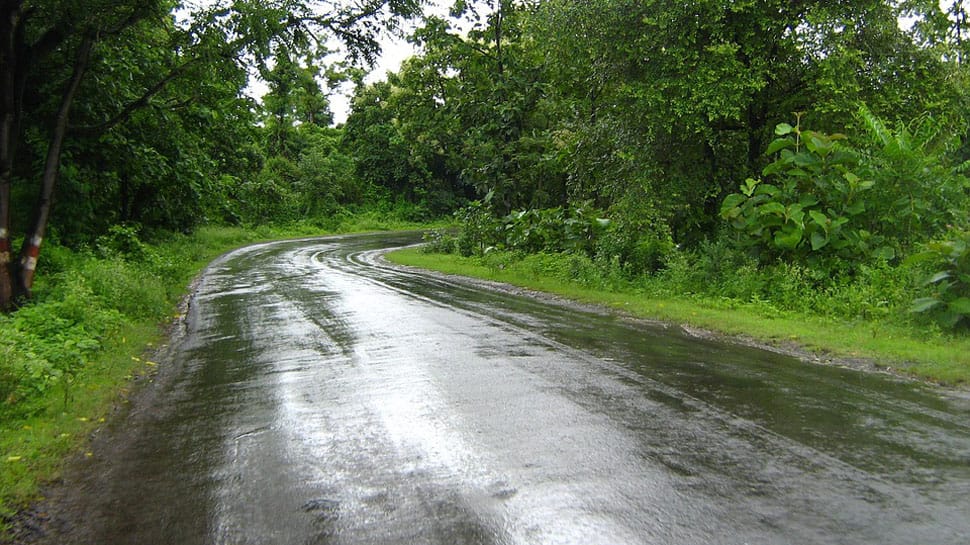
[(321, 396)]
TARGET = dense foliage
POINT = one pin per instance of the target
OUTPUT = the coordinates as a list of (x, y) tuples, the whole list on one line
[(794, 156), (133, 112), (814, 140), (809, 155)]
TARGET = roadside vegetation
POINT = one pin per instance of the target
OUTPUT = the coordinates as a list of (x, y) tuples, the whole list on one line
[(69, 359), (795, 171), (682, 296), (824, 250), (799, 162)]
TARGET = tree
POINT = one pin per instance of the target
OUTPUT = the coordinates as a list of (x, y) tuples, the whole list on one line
[(294, 98), (672, 103), (55, 41)]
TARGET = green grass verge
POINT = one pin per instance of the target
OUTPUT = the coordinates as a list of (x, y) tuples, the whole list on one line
[(921, 354), (34, 448), (35, 445)]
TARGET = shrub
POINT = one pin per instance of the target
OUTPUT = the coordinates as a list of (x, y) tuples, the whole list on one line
[(439, 241), (636, 252), (123, 241), (812, 206), (919, 189), (47, 343), (479, 229), (949, 283), (531, 231)]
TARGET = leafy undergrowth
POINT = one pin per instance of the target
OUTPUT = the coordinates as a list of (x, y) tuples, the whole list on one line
[(921, 352), (69, 357)]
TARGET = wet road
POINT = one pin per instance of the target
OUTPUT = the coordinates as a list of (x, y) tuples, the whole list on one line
[(320, 396)]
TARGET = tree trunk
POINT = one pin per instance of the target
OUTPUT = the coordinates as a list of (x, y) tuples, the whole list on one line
[(10, 30), (30, 251)]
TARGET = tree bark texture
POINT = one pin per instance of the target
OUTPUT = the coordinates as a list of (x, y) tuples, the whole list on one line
[(30, 250), (11, 33)]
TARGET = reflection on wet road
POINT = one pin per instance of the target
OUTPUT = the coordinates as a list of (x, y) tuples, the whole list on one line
[(320, 396)]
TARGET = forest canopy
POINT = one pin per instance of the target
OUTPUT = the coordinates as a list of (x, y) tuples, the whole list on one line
[(823, 134), (805, 141)]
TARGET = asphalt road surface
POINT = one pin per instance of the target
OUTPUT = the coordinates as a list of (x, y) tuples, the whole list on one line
[(318, 395)]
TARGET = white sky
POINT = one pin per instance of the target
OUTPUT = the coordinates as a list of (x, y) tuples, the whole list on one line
[(394, 51)]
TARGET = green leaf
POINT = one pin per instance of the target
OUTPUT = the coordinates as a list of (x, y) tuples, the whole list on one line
[(819, 240), (960, 306), (775, 167), (731, 202), (924, 303), (950, 319), (855, 208), (921, 257), (749, 186), (819, 144), (782, 129), (767, 189), (885, 253), (778, 145), (788, 239), (808, 160), (772, 208), (942, 275), (820, 219)]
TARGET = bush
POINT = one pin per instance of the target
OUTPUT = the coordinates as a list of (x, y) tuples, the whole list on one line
[(439, 241), (123, 241), (949, 282), (479, 229), (918, 187), (46, 344), (81, 298), (813, 206), (532, 231), (635, 252)]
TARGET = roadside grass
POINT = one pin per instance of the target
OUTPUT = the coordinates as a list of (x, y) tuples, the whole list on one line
[(924, 354), (118, 305), (34, 448)]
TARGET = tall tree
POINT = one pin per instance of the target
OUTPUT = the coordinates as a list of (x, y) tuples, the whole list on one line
[(294, 98), (54, 40), (675, 102)]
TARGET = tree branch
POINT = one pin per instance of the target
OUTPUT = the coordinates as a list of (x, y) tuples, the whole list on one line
[(141, 102)]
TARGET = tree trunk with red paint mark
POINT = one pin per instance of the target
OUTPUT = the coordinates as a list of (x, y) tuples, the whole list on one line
[(11, 93), (35, 235)]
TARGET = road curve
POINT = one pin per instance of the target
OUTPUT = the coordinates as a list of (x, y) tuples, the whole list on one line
[(321, 396)]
